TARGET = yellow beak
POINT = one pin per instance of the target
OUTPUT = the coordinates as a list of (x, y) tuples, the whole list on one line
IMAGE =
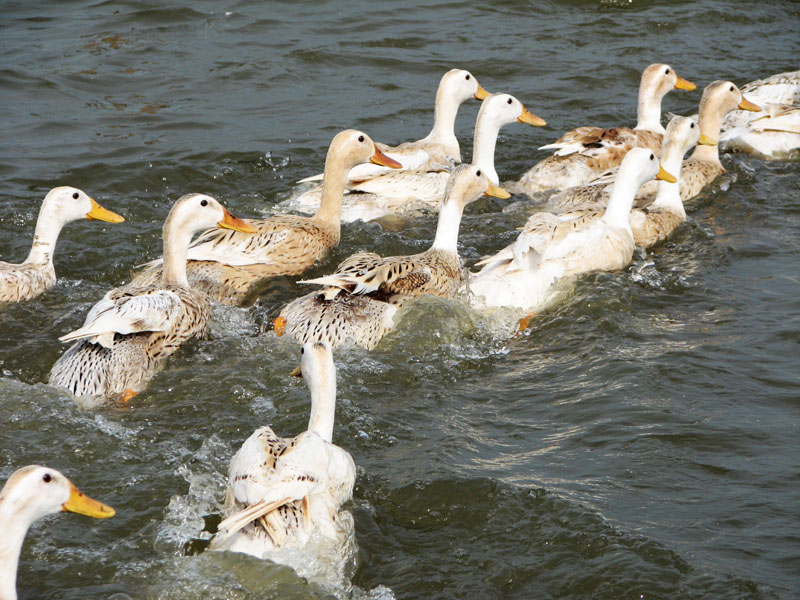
[(664, 176), (706, 141), (379, 158), (683, 84), (83, 505), (297, 372), (99, 213), (745, 104), (231, 222), (496, 191), (481, 94), (530, 118)]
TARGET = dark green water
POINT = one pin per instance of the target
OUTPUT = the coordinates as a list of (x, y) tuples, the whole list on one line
[(638, 441)]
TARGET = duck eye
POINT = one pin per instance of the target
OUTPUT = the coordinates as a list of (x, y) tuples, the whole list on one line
[(47, 478), (361, 138), (652, 157), (691, 126), (203, 202), (467, 77), (478, 173), (75, 195), (666, 72), (509, 100), (302, 351), (731, 88)]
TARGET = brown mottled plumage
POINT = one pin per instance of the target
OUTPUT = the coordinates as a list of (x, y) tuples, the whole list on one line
[(127, 335), (228, 265), (337, 314), (585, 152)]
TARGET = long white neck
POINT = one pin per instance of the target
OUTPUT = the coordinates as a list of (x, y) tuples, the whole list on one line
[(620, 200), (649, 110), (710, 123), (333, 180), (176, 247), (444, 120), (669, 194), (14, 530), (486, 131), (44, 238), (447, 229), (323, 407)]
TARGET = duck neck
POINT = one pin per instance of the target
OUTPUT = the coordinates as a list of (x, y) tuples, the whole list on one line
[(447, 229), (323, 408), (444, 120), (620, 201), (486, 131), (669, 194), (333, 180), (10, 546), (44, 239), (649, 111), (176, 247), (710, 123)]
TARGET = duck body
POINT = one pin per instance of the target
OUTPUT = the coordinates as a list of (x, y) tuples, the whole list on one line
[(583, 153), (127, 335), (34, 276), (230, 265), (552, 247), (361, 298), (31, 493), (285, 495), (409, 191)]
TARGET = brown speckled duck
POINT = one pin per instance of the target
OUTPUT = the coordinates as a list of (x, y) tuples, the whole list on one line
[(228, 264), (127, 335)]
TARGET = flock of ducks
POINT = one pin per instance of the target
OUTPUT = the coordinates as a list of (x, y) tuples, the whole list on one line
[(287, 491)]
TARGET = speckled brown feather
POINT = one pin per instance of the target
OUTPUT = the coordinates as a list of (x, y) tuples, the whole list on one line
[(24, 281)]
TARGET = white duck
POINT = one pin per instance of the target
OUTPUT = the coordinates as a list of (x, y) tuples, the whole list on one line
[(127, 335), (408, 191), (282, 491), (31, 493), (437, 150), (523, 274), (61, 205), (585, 152)]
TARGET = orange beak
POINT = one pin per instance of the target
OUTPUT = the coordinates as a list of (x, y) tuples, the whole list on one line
[(101, 214), (496, 191), (279, 325), (481, 94), (683, 84), (745, 104), (231, 222), (81, 504), (379, 158), (530, 118)]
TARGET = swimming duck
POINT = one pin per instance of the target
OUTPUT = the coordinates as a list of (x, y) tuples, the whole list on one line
[(773, 133), (362, 296), (128, 334), (781, 90), (585, 152), (61, 205), (437, 150), (31, 493), (422, 190), (523, 274), (283, 490), (654, 223), (228, 265)]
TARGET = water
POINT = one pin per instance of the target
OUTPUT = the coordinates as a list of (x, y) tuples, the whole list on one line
[(639, 440)]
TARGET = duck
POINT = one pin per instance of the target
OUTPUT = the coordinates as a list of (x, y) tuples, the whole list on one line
[(283, 490), (583, 153), (229, 265), (773, 134), (437, 150), (359, 300), (33, 492), (127, 335), (409, 191), (651, 224), (549, 249), (779, 91), (36, 274)]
